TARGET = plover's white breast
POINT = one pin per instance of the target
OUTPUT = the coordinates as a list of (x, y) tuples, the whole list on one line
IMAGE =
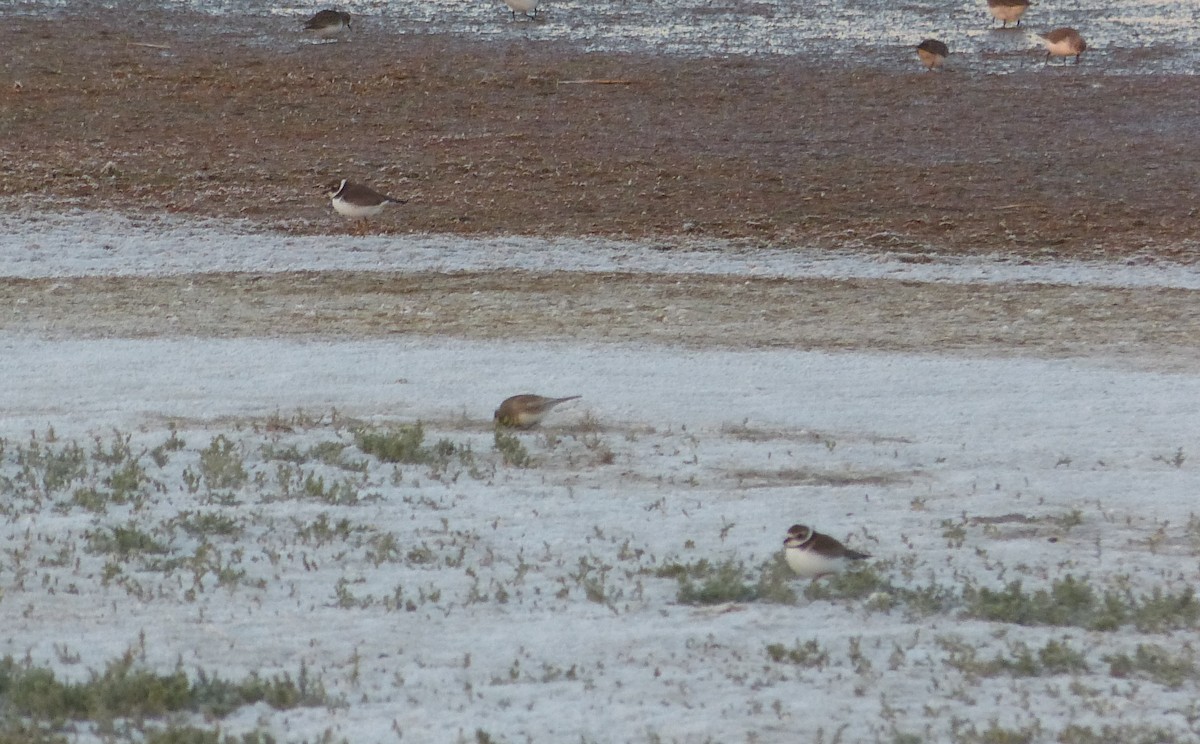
[(357, 211), (811, 563)]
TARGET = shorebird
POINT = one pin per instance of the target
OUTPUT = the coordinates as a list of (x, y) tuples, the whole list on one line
[(328, 24), (932, 53), (356, 201), (527, 8), (1007, 10), (527, 410), (813, 555), (1062, 42)]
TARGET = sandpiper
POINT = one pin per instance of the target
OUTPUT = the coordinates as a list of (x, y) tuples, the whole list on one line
[(932, 53), (526, 410), (328, 24), (1008, 10), (1062, 42), (813, 555)]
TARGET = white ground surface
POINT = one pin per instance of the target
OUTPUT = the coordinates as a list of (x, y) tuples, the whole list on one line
[(714, 454)]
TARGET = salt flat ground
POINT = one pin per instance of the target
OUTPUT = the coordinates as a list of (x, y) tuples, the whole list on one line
[(567, 586)]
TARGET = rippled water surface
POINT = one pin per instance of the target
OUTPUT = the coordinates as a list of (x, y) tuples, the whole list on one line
[(1144, 37)]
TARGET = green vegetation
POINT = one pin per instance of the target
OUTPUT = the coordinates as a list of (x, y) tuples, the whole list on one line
[(126, 691), (1072, 602)]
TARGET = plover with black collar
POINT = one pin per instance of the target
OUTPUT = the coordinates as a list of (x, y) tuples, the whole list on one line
[(356, 201), (812, 555)]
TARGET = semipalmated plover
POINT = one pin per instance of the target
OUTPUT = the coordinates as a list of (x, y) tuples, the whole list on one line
[(813, 555), (356, 201), (933, 53), (328, 24), (1008, 10), (527, 410), (527, 8), (1062, 42)]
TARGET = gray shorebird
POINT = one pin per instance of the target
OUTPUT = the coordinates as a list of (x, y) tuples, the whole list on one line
[(1007, 10), (328, 24), (1062, 42), (813, 555), (932, 53), (356, 201), (527, 410)]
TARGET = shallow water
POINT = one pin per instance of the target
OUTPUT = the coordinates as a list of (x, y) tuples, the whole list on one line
[(1128, 38)]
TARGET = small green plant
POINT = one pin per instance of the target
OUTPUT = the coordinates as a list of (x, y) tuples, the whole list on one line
[(808, 654), (221, 465), (1155, 663), (198, 524), (1073, 602), (1069, 602), (1056, 657), (512, 450), (124, 542), (718, 583), (124, 690), (401, 444), (47, 469)]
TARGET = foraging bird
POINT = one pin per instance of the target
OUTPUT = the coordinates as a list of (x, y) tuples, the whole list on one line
[(527, 8), (328, 24), (813, 555), (357, 201), (1007, 10), (1062, 42), (527, 410), (932, 53)]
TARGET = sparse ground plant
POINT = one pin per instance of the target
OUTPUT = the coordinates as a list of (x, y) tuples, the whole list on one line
[(1055, 657), (1155, 663), (402, 444), (511, 449), (222, 464), (708, 583), (126, 690), (807, 654), (47, 469), (125, 541), (1124, 734), (1074, 602)]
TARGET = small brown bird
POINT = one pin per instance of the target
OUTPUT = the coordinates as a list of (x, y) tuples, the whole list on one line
[(813, 555), (328, 24), (527, 410), (1007, 10), (1062, 42), (932, 53)]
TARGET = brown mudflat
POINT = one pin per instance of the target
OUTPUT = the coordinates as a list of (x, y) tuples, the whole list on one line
[(504, 137), (510, 136)]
